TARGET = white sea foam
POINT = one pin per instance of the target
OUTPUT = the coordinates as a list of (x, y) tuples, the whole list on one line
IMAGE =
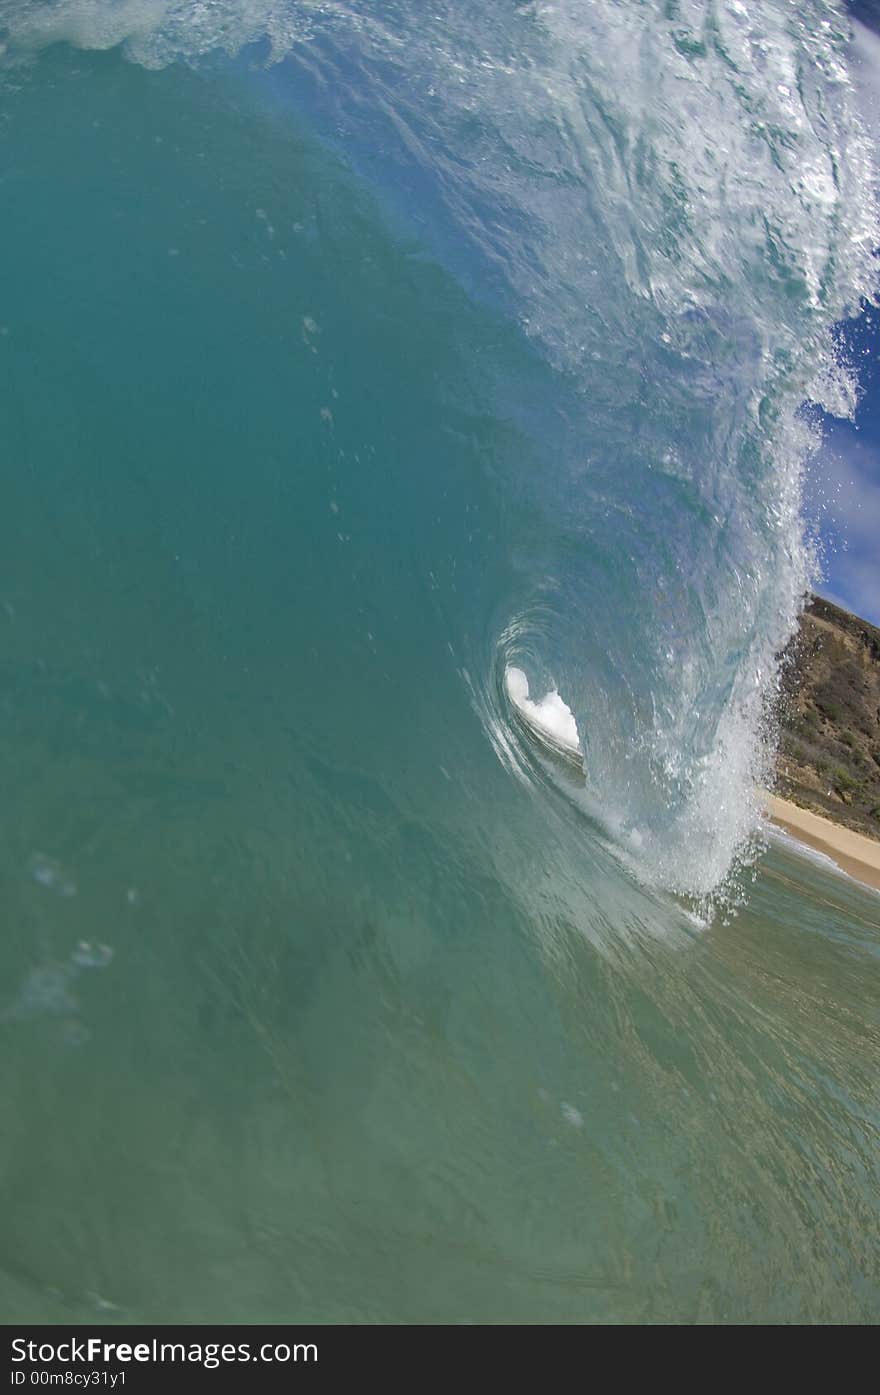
[(865, 67), (783, 839), (551, 714)]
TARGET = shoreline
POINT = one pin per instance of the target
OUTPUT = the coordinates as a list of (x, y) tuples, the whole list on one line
[(853, 852)]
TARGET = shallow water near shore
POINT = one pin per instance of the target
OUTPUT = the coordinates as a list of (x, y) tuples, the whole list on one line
[(323, 997), (263, 1109)]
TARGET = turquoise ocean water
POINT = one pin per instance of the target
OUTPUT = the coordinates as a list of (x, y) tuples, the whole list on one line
[(349, 356)]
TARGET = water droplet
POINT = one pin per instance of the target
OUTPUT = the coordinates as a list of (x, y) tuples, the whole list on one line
[(46, 872), (91, 956)]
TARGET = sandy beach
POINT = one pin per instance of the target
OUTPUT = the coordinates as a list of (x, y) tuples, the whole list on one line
[(854, 853)]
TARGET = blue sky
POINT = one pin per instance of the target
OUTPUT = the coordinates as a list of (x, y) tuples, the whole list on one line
[(843, 487)]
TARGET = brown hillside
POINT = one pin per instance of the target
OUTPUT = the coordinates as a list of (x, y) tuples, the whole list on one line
[(829, 750)]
